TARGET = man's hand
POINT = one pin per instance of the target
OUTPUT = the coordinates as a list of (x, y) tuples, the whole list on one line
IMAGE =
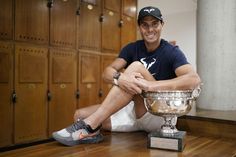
[(143, 84), (127, 82)]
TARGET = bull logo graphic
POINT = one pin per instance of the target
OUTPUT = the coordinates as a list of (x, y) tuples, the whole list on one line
[(149, 10), (147, 65)]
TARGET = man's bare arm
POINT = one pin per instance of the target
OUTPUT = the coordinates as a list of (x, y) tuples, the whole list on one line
[(186, 78), (116, 66)]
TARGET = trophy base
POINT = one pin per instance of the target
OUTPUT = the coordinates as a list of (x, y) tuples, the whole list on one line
[(174, 141)]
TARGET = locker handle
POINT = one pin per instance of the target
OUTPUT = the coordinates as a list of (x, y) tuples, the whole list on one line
[(121, 23), (77, 94), (49, 94), (14, 97), (50, 3), (78, 11), (101, 18), (100, 94)]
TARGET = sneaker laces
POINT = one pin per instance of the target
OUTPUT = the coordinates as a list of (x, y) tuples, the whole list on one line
[(76, 126), (80, 124)]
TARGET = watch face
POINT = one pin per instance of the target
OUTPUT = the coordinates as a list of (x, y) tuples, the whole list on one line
[(116, 75)]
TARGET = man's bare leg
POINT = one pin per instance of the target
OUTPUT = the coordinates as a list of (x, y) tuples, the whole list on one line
[(139, 107), (87, 130), (118, 98), (87, 111)]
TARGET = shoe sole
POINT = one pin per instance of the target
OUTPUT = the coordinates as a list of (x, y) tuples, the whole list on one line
[(96, 139)]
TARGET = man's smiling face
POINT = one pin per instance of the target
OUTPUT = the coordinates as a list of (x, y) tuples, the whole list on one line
[(150, 29)]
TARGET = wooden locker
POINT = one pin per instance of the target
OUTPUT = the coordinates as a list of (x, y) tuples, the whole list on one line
[(62, 88), (105, 61), (113, 5), (129, 8), (111, 26), (6, 18), (30, 117), (6, 88), (32, 21), (89, 79), (128, 30), (63, 23), (89, 27)]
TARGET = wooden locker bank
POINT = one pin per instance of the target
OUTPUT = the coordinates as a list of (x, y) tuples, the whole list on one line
[(52, 55)]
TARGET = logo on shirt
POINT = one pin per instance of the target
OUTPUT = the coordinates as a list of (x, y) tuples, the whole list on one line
[(148, 63)]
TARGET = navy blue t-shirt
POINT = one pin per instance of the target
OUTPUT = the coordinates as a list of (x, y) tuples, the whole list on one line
[(161, 63)]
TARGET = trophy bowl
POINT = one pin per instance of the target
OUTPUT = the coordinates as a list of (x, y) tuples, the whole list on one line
[(169, 104)]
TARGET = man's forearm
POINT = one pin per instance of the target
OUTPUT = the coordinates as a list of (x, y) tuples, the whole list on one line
[(108, 74), (189, 81)]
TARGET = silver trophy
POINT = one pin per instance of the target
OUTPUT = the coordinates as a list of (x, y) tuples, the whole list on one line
[(169, 104)]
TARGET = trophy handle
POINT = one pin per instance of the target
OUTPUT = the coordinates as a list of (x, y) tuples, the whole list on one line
[(196, 92)]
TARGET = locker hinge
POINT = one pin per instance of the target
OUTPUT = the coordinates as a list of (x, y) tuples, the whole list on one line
[(50, 4), (77, 94), (49, 95), (100, 93), (101, 18), (14, 96)]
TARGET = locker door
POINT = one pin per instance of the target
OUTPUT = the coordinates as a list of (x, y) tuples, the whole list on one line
[(105, 61), (62, 87), (112, 5), (128, 30), (89, 79), (32, 21), (89, 26), (63, 23), (6, 19), (129, 8), (110, 26), (6, 88), (30, 118)]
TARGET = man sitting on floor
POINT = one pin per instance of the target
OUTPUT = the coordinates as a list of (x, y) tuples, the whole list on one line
[(150, 64)]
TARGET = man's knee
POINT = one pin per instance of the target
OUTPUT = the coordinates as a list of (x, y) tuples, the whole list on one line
[(135, 67), (137, 64), (138, 67)]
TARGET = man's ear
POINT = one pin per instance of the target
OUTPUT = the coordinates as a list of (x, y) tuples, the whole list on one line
[(162, 23)]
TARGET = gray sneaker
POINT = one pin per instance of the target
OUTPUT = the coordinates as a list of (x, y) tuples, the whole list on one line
[(78, 133)]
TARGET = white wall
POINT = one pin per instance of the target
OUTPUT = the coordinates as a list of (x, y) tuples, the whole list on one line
[(181, 27), (180, 23)]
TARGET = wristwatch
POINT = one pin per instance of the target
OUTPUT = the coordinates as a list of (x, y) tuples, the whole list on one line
[(116, 77)]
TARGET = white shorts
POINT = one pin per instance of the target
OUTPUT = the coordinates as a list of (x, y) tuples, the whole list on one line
[(125, 120)]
